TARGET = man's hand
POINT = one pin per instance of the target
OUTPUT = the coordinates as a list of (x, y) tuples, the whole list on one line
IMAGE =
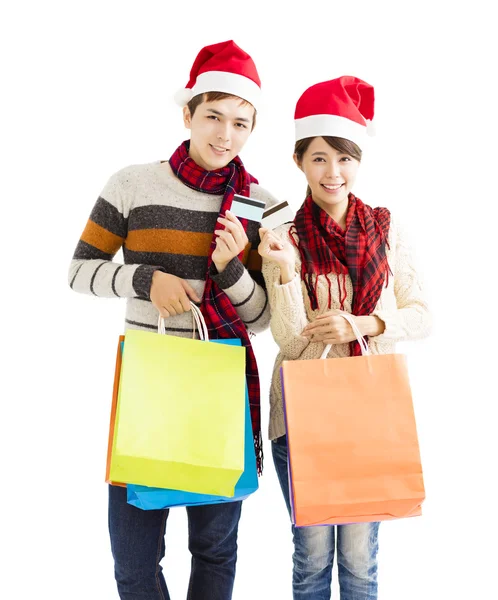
[(170, 294), (230, 242)]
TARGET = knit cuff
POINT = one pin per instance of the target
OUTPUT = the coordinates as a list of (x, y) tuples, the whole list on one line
[(232, 273), (290, 301), (391, 325), (142, 280), (291, 291)]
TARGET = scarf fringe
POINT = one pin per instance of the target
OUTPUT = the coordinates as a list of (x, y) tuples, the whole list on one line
[(359, 250), (258, 449)]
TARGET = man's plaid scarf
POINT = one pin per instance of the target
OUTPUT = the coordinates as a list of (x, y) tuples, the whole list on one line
[(221, 317), (359, 250)]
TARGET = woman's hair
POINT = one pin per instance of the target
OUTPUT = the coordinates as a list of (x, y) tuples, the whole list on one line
[(212, 97), (340, 144)]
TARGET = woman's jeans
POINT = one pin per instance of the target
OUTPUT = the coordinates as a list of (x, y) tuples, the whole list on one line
[(314, 549), (137, 543)]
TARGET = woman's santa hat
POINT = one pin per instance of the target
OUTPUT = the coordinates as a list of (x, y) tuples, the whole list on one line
[(342, 107), (222, 67)]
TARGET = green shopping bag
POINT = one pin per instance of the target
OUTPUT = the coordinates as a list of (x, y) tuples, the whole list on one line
[(180, 414)]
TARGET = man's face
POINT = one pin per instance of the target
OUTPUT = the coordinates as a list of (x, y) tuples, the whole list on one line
[(218, 131)]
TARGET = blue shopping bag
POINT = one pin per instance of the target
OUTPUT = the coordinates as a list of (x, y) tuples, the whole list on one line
[(151, 498)]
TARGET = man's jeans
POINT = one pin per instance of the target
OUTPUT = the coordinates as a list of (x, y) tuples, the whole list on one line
[(314, 549), (137, 543)]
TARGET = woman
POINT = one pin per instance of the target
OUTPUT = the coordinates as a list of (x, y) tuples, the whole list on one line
[(339, 255)]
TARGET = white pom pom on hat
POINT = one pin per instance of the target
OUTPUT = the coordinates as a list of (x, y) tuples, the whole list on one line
[(182, 97), (342, 107), (222, 67), (371, 130)]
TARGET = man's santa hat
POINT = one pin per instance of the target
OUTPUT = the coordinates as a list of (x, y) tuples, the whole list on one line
[(342, 107), (222, 67)]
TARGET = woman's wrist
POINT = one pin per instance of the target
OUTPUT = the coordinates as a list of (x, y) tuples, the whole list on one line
[(287, 272), (370, 326)]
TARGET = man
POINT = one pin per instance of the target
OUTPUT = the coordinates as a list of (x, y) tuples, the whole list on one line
[(181, 243)]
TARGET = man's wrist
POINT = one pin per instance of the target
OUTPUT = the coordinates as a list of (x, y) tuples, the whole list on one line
[(220, 267)]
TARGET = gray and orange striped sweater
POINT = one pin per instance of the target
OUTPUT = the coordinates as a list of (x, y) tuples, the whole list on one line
[(161, 224)]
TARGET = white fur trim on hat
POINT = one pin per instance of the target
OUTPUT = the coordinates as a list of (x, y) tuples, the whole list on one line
[(230, 83), (330, 125)]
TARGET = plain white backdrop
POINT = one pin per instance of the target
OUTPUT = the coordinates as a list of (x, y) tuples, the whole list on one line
[(87, 90)]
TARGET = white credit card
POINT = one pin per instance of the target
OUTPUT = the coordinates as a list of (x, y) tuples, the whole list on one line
[(276, 215), (247, 208)]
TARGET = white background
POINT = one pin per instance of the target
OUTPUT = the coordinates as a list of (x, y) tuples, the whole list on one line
[(87, 90)]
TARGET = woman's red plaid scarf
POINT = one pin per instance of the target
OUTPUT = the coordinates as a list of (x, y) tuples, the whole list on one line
[(359, 250), (221, 317)]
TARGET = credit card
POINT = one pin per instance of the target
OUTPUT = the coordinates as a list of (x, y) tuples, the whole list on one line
[(276, 215), (247, 208)]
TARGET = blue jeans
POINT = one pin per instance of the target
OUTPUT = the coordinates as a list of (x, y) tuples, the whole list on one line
[(314, 549), (137, 543)]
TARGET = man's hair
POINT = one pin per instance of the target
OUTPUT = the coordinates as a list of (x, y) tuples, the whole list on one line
[(212, 97)]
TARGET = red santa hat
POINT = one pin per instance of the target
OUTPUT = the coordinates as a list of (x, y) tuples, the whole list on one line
[(342, 107), (222, 67)]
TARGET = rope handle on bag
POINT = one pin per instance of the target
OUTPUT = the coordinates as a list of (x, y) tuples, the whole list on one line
[(365, 351), (198, 319)]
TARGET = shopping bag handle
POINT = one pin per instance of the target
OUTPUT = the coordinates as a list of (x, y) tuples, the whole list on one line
[(365, 350), (198, 319)]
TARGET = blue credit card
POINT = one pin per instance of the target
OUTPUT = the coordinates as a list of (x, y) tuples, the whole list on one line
[(247, 208)]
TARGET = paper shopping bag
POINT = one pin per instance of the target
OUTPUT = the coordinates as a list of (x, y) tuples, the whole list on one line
[(353, 447), (179, 420), (148, 498), (114, 404)]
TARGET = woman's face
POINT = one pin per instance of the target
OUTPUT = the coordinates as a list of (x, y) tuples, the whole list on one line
[(330, 174)]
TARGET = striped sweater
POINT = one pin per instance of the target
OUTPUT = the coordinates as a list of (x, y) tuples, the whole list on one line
[(161, 224)]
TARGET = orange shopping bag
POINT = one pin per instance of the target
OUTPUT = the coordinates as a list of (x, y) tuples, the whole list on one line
[(353, 447), (117, 376)]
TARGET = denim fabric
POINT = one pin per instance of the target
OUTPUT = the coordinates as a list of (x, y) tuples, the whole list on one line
[(137, 543), (314, 550)]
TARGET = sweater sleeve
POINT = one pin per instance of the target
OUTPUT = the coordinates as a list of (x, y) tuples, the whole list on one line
[(92, 270), (288, 312), (411, 319), (242, 281)]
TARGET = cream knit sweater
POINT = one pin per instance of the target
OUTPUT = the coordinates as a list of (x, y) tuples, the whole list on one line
[(401, 307)]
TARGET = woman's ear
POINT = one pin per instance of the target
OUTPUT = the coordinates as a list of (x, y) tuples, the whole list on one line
[(187, 117), (297, 161)]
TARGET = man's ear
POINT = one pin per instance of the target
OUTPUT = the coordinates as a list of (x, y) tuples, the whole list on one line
[(297, 161), (187, 118)]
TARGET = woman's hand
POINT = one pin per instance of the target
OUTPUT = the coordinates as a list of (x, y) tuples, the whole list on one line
[(230, 242), (331, 328), (273, 248)]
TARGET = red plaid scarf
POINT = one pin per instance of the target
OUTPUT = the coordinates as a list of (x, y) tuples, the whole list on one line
[(221, 317), (359, 250)]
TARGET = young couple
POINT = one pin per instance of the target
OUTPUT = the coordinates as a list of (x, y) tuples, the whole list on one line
[(181, 242)]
